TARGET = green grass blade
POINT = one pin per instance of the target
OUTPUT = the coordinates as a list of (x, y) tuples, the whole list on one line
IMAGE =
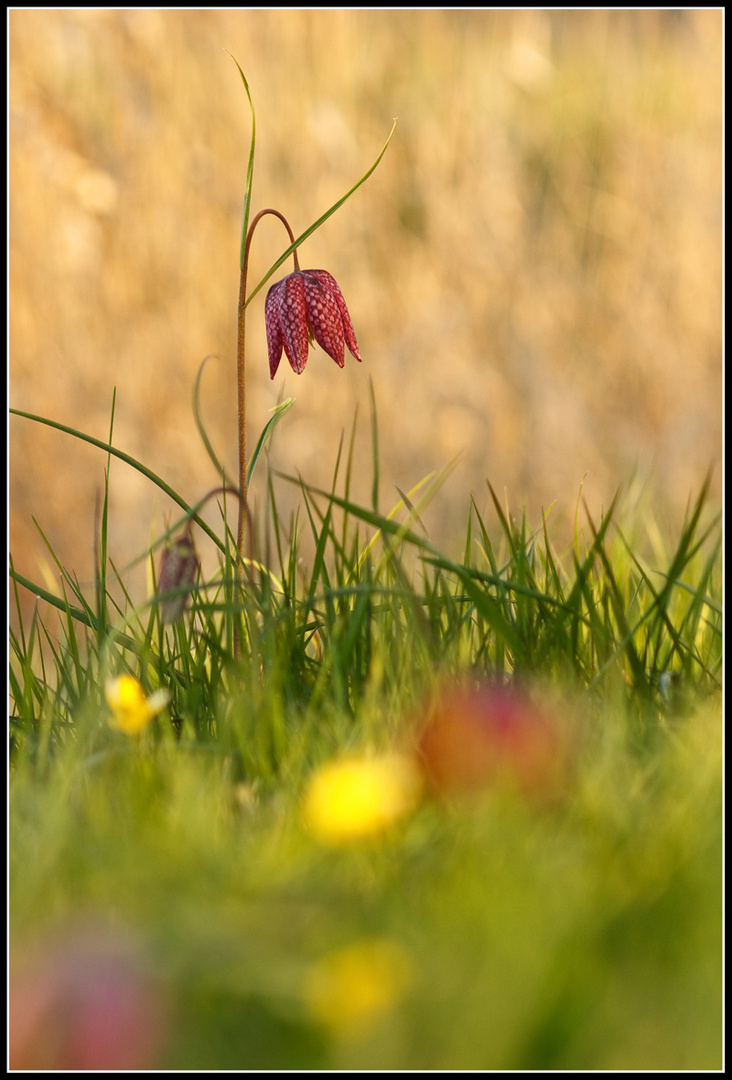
[(374, 449), (277, 413), (128, 460), (250, 169), (321, 220), (197, 416)]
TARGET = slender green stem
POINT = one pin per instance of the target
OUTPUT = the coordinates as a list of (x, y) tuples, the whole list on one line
[(241, 374), (241, 393)]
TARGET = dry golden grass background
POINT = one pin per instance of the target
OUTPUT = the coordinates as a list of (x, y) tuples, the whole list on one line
[(534, 271)]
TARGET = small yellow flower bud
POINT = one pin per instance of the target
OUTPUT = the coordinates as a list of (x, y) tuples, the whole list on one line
[(349, 990), (356, 798), (132, 711)]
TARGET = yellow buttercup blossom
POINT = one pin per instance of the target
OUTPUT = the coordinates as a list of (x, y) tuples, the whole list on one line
[(358, 797), (131, 709), (348, 990)]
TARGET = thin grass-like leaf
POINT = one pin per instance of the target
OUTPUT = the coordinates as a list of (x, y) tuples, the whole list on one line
[(226, 480), (374, 450), (129, 460), (321, 220), (277, 413), (250, 168)]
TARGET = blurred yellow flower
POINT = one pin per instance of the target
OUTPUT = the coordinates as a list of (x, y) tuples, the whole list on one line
[(132, 710), (348, 990), (355, 798)]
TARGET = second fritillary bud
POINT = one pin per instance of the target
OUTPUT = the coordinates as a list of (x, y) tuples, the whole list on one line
[(178, 568)]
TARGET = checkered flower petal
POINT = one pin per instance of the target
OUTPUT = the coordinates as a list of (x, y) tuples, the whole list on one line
[(329, 282), (286, 321), (307, 305)]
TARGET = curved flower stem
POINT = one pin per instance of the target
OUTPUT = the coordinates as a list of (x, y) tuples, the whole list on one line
[(240, 374)]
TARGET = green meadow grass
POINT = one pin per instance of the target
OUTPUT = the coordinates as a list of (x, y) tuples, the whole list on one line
[(483, 931)]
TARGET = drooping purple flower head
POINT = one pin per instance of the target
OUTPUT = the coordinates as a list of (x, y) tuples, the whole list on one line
[(304, 305), (178, 568)]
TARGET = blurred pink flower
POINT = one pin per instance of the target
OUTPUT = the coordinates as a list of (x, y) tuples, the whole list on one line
[(87, 1002), (307, 305)]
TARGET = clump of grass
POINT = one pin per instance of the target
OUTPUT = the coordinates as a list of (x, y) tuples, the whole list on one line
[(569, 933), (380, 611)]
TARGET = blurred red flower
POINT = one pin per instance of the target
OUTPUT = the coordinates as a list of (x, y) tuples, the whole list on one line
[(475, 737)]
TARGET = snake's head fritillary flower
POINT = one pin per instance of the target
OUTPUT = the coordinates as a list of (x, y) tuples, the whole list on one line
[(307, 305)]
